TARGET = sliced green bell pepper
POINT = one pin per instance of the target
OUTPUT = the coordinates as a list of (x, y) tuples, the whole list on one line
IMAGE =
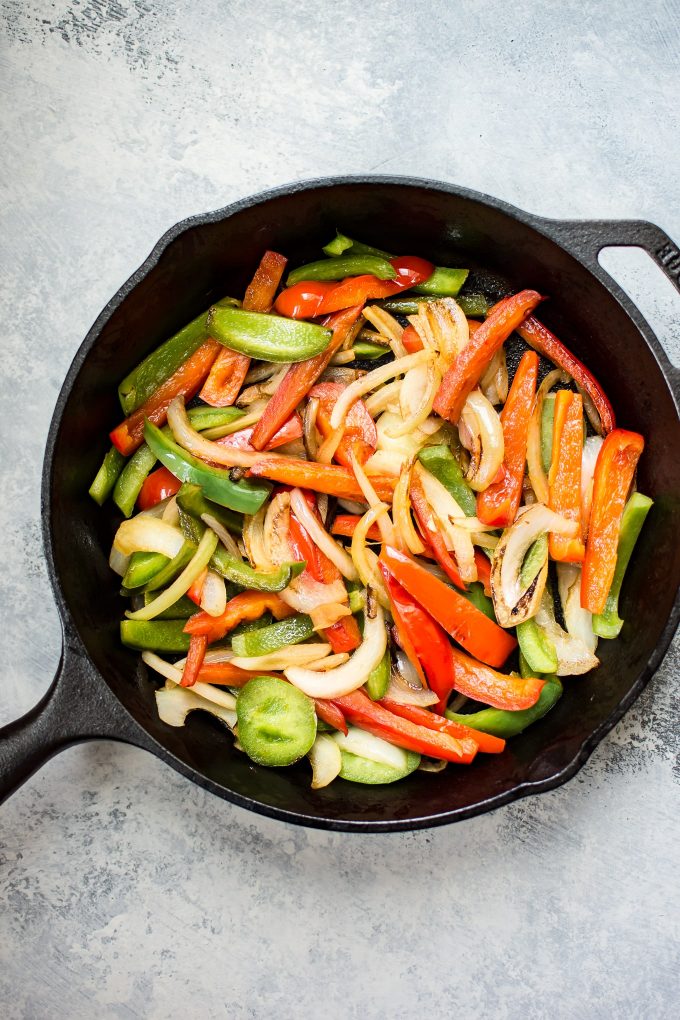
[(132, 478), (267, 337), (365, 350), (107, 476), (191, 499), (343, 266), (474, 593), (441, 463), (547, 422), (443, 282), (246, 496), (379, 678), (154, 635), (172, 568), (501, 723), (341, 244), (205, 417), (276, 721), (536, 647), (473, 305), (290, 631), (181, 610), (608, 624), (143, 566)]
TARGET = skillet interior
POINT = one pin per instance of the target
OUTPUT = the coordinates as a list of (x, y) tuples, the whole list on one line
[(217, 255)]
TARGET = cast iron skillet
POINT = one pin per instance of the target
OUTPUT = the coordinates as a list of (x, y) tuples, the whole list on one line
[(101, 690)]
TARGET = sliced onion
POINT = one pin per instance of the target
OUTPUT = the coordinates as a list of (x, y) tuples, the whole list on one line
[(253, 539), (328, 448), (448, 326), (318, 534), (292, 655), (329, 614), (191, 440), (591, 411), (447, 513), (118, 561), (214, 594), (354, 673), (405, 695), (276, 530), (401, 511), (573, 657), (418, 390), (343, 358), (223, 535), (261, 371), (579, 621), (388, 326), (371, 380), (170, 513), (378, 401), (494, 382), (483, 423), (174, 704), (180, 586), (330, 662), (364, 559), (310, 435), (514, 602), (537, 475), (325, 759), (366, 745), (262, 390), (232, 428), (591, 450), (384, 520), (148, 534)]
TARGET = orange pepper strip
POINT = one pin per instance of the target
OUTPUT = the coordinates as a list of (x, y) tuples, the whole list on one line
[(229, 675), (498, 504), (184, 382), (198, 645), (300, 378), (331, 714), (613, 477), (345, 525), (249, 605), (259, 296), (432, 721), (499, 690), (371, 716), (328, 478), (411, 340), (564, 477), (470, 364), (360, 436), (459, 618), (343, 636), (431, 534)]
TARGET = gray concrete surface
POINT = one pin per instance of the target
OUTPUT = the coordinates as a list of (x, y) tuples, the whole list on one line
[(127, 892)]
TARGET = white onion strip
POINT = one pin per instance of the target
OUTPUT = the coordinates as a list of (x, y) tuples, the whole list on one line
[(148, 534), (365, 559), (191, 440), (382, 398), (318, 534), (480, 417), (371, 380), (293, 655), (385, 524), (225, 538), (180, 586), (401, 511)]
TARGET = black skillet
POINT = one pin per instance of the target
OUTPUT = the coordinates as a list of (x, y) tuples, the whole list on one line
[(101, 690)]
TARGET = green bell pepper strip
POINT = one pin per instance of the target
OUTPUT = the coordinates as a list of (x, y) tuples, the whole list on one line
[(146, 377), (501, 723), (441, 463), (364, 350), (107, 476), (379, 678), (276, 721), (608, 624), (290, 631), (155, 635), (236, 571), (191, 499), (132, 478), (474, 593), (142, 567), (267, 337), (547, 422), (246, 496), (536, 647), (357, 599), (182, 609), (341, 244), (172, 568), (199, 561), (205, 417), (343, 266), (475, 306), (443, 282)]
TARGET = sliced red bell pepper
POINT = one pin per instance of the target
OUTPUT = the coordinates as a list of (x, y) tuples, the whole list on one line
[(289, 431), (157, 486), (318, 565), (475, 680), (483, 571), (259, 296), (300, 378), (564, 477), (498, 504), (331, 714), (371, 716), (224, 383), (470, 364), (196, 590), (198, 645), (432, 721), (249, 605), (328, 478), (411, 340), (431, 534), (546, 343), (411, 271), (614, 472), (185, 382), (360, 435), (460, 619), (430, 641), (343, 636), (345, 525), (228, 674), (303, 300)]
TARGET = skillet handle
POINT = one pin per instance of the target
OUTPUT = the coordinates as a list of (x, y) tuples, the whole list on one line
[(78, 706)]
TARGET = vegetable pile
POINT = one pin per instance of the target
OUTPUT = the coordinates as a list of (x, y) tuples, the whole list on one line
[(349, 535)]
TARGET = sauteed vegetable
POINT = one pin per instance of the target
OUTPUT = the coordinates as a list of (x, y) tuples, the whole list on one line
[(352, 533)]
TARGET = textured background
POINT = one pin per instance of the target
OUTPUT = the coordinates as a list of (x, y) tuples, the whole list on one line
[(126, 891)]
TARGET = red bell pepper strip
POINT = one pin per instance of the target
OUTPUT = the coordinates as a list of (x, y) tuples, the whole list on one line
[(432, 721), (343, 636), (411, 340), (483, 571), (371, 716), (224, 383), (259, 296), (184, 382), (289, 431), (431, 534), (546, 343), (612, 480), (460, 619), (300, 378), (430, 642), (157, 486), (564, 477), (331, 714), (470, 364), (303, 300), (196, 590), (249, 605), (498, 504), (228, 674), (499, 690), (328, 478), (360, 435), (198, 645), (345, 525), (411, 271)]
